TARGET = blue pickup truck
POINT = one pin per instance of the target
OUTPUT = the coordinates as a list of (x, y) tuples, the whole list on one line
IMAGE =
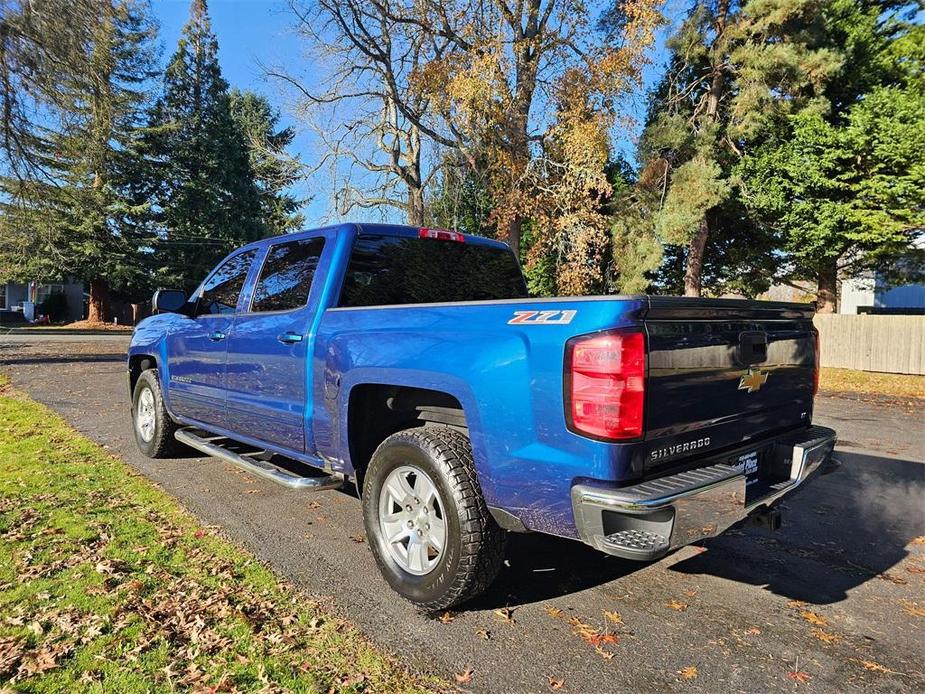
[(412, 363)]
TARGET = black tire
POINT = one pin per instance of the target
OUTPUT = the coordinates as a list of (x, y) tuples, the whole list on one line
[(474, 549), (162, 443)]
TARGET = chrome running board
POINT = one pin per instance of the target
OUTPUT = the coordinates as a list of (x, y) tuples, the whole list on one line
[(251, 462)]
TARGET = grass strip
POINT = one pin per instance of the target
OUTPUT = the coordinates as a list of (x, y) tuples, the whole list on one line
[(107, 584), (871, 383)]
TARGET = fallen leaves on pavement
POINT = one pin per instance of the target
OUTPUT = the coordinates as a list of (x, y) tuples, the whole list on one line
[(676, 605), (464, 676), (913, 608), (826, 636), (873, 666), (554, 683), (506, 614), (814, 618), (799, 676), (689, 672)]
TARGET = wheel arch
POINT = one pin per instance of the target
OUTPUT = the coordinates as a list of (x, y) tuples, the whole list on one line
[(136, 364), (375, 411)]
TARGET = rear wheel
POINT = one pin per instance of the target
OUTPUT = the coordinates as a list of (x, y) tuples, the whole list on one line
[(429, 528), (152, 424)]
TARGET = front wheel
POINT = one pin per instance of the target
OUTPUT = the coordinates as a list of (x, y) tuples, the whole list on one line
[(429, 528), (154, 429)]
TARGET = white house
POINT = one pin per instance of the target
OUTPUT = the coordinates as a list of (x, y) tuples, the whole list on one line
[(18, 300)]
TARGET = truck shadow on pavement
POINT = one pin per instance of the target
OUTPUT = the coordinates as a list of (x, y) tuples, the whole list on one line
[(841, 531)]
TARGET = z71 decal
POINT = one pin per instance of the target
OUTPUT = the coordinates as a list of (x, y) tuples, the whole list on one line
[(543, 317)]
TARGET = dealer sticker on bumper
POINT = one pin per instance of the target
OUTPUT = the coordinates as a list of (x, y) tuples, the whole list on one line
[(747, 464)]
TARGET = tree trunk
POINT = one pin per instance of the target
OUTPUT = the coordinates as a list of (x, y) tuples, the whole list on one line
[(415, 209), (693, 273), (99, 301), (827, 289), (513, 235)]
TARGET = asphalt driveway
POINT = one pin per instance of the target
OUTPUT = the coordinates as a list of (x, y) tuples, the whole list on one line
[(834, 601)]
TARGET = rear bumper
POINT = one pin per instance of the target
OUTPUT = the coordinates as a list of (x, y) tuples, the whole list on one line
[(647, 520)]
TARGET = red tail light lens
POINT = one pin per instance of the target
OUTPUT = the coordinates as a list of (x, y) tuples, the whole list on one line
[(817, 357), (605, 382)]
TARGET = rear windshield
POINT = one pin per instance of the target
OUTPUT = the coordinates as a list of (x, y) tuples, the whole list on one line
[(388, 270)]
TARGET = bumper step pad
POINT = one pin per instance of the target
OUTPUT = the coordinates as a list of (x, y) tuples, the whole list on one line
[(641, 542)]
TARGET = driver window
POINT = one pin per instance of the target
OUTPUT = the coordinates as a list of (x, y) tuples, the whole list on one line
[(220, 292)]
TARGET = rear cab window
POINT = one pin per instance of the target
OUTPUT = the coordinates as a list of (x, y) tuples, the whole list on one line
[(286, 276), (392, 270)]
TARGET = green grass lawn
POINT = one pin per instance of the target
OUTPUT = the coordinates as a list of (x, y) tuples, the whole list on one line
[(867, 382), (106, 584)]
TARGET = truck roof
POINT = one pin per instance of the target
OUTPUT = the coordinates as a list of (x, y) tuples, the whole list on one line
[(374, 229)]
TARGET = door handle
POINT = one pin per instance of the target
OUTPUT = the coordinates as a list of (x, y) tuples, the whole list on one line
[(289, 338), (216, 335)]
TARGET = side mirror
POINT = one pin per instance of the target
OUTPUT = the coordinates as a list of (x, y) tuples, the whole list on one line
[(169, 300)]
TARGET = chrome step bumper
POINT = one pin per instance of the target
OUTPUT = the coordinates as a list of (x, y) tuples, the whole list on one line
[(647, 520), (257, 462)]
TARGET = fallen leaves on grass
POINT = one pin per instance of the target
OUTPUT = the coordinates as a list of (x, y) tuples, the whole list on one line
[(131, 584), (464, 676), (689, 672), (554, 683), (814, 618)]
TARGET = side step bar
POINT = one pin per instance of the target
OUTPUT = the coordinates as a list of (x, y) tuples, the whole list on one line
[(250, 462)]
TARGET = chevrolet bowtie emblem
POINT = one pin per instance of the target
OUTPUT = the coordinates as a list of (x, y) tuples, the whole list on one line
[(752, 380)]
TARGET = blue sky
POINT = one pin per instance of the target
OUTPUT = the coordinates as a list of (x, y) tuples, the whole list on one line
[(252, 33)]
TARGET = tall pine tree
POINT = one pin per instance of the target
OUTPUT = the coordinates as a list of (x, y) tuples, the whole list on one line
[(842, 179), (274, 170), (206, 200), (73, 217)]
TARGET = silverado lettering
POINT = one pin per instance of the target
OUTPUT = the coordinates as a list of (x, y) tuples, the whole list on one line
[(668, 451), (371, 355)]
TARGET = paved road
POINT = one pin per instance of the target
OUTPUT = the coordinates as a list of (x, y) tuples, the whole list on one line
[(736, 609)]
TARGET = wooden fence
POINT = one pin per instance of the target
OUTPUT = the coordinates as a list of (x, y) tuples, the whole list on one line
[(893, 344)]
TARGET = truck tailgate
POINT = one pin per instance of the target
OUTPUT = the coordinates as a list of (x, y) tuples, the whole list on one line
[(724, 372)]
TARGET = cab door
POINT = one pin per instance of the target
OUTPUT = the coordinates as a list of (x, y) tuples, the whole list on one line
[(269, 346), (197, 347)]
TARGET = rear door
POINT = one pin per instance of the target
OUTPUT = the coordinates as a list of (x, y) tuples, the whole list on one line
[(724, 372), (268, 347), (197, 347)]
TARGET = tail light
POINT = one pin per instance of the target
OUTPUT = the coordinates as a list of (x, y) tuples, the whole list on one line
[(441, 234), (817, 361), (605, 381)]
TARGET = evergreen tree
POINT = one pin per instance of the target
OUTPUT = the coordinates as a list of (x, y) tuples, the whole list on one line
[(842, 181), (74, 220), (274, 171), (206, 200)]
